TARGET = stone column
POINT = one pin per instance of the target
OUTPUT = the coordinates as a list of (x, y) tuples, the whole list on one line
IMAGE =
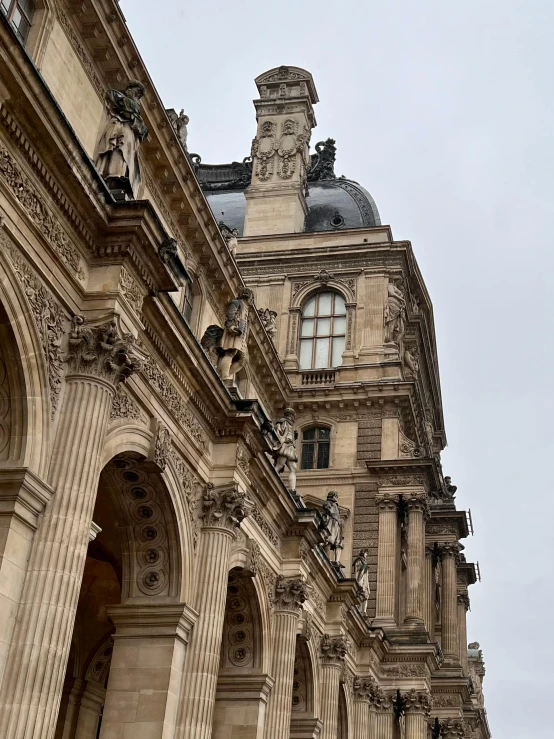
[(381, 716), (146, 669), (429, 592), (417, 707), (449, 635), (288, 600), (463, 608), (223, 509), (386, 559), (361, 694), (333, 652), (98, 358), (417, 510)]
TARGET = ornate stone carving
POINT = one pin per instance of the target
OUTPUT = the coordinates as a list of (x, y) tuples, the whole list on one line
[(291, 143), (463, 599), (395, 314), (39, 212), (49, 318), (331, 525), (378, 700), (387, 501), (360, 570), (333, 650), (450, 488), (269, 578), (162, 446), (407, 449), (453, 728), (264, 526), (450, 549), (230, 237), (101, 350), (123, 406), (116, 156), (130, 290), (224, 507), (179, 122), (227, 347), (411, 360), (168, 249), (404, 670), (285, 454), (407, 481), (173, 400), (243, 458), (363, 688), (417, 702), (322, 165), (290, 595), (191, 489), (442, 700), (263, 150), (238, 628), (268, 317)]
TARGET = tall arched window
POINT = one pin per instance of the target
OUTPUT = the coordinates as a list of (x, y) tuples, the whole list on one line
[(20, 14), (323, 331)]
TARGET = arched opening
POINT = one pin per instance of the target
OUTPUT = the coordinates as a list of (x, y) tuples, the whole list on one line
[(303, 722), (12, 394), (242, 686), (119, 672), (322, 331), (342, 721)]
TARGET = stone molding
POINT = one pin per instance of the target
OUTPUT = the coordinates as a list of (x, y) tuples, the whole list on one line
[(23, 495), (333, 650), (290, 594), (224, 507), (157, 620)]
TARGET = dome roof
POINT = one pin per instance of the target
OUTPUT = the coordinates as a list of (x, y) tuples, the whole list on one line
[(332, 205)]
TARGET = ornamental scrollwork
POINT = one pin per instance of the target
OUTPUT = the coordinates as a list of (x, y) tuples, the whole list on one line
[(290, 594), (333, 650), (224, 507)]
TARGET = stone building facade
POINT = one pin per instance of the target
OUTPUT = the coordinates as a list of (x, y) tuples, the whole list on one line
[(222, 508)]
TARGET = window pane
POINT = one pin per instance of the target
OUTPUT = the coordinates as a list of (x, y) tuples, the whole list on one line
[(323, 433), (339, 304), (307, 462), (321, 353), (323, 326), (309, 434), (324, 306), (187, 311), (4, 5), (309, 308), (338, 348), (307, 328), (306, 354), (339, 325), (27, 6), (322, 455)]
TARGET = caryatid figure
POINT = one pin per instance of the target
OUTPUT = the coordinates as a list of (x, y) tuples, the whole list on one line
[(395, 314), (361, 575), (331, 525), (285, 455), (233, 350), (116, 154)]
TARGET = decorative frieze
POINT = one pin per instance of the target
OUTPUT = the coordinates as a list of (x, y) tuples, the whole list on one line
[(130, 290), (124, 407), (264, 526), (162, 446), (191, 488)]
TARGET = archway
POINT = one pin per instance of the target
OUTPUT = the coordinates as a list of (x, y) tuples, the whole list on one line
[(128, 628), (303, 722), (342, 721)]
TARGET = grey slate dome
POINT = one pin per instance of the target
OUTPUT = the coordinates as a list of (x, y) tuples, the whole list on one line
[(334, 203)]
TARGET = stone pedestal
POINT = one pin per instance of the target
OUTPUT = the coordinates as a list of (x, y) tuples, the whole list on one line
[(417, 509), (41, 640), (333, 652), (449, 628), (386, 562), (223, 509), (146, 669), (288, 600)]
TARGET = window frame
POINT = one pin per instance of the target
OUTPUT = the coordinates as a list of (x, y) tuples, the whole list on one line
[(17, 5), (332, 335), (317, 445)]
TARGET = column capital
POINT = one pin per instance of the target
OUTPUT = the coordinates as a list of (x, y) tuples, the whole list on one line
[(333, 649), (450, 549), (416, 701), (379, 700), (463, 599), (453, 728), (162, 620), (290, 594), (224, 507), (101, 350), (387, 501), (362, 688), (417, 502)]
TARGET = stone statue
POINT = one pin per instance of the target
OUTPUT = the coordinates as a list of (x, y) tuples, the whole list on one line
[(323, 161), (360, 569), (179, 123), (331, 525), (395, 314), (450, 488), (116, 154), (411, 360), (230, 236), (268, 319), (285, 455), (227, 347)]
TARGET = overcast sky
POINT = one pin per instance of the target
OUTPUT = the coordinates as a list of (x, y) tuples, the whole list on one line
[(444, 111)]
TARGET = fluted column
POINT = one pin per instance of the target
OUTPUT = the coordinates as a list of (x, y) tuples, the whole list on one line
[(449, 553), (429, 591), (381, 716), (361, 694), (98, 358), (417, 707), (386, 558), (333, 653), (463, 608), (223, 509), (417, 510), (288, 600)]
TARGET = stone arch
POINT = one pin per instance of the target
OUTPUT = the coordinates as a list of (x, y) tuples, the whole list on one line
[(309, 289), (303, 682), (343, 716), (242, 642)]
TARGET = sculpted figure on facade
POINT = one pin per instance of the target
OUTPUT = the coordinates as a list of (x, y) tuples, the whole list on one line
[(179, 121), (323, 161), (230, 236), (331, 525), (360, 569), (227, 347), (411, 360), (395, 314), (268, 317), (117, 151), (285, 455)]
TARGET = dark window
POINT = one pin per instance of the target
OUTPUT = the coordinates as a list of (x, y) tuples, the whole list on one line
[(315, 448), (322, 332), (188, 298), (20, 14)]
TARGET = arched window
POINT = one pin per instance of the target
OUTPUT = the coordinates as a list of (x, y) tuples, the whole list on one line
[(323, 331), (315, 448), (20, 14)]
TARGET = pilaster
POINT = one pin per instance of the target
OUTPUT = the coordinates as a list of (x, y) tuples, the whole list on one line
[(387, 504), (333, 651), (449, 553), (418, 510), (417, 708)]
